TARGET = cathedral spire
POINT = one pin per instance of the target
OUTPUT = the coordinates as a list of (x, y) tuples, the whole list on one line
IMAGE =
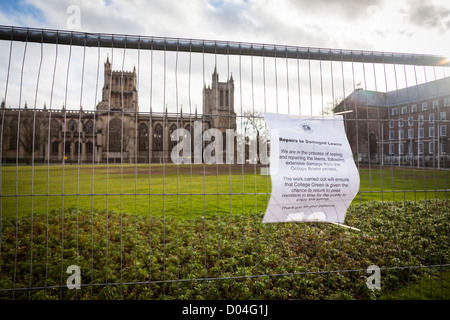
[(215, 77)]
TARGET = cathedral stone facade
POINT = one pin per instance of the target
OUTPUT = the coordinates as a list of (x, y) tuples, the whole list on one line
[(116, 132)]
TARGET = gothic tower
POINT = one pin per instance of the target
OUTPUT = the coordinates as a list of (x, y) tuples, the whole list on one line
[(218, 103), (119, 90)]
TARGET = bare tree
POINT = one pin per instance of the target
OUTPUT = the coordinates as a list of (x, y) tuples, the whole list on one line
[(254, 127), (30, 137)]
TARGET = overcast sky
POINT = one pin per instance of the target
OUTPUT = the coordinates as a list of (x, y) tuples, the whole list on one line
[(417, 26)]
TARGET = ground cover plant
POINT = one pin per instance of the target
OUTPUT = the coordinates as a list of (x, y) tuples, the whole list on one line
[(201, 245)]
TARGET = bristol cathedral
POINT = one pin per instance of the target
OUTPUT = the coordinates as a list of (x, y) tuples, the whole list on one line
[(115, 132)]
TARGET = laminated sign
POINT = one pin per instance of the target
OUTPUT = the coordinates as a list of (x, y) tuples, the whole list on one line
[(314, 177)]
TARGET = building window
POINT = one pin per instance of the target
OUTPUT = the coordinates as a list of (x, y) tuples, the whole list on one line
[(401, 148), (72, 126), (158, 137), (89, 128), (435, 104), (411, 133), (391, 148), (443, 147), (447, 102), (404, 109), (431, 118), (173, 127), (443, 116), (76, 147), (443, 131), (394, 111), (424, 106), (115, 137), (421, 132), (401, 134), (391, 135), (67, 148), (221, 98), (89, 147), (421, 119), (391, 123), (400, 122), (410, 121), (420, 147), (430, 147), (54, 128), (431, 131), (410, 148), (414, 108), (143, 137), (55, 148)]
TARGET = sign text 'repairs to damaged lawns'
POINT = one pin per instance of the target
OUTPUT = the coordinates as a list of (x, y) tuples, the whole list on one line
[(313, 174)]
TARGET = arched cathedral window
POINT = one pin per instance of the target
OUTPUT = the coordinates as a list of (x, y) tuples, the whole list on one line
[(89, 128), (158, 137), (89, 148), (173, 127), (55, 148), (115, 137), (72, 126), (143, 137), (54, 128)]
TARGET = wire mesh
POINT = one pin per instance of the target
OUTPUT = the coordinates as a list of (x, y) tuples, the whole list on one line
[(90, 180)]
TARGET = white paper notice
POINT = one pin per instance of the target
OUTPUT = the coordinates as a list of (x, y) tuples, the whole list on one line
[(314, 177)]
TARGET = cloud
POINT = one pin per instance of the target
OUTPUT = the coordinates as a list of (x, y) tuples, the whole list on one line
[(429, 15), (349, 10), (359, 25)]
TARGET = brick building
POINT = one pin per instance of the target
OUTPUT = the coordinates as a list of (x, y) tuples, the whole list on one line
[(405, 127)]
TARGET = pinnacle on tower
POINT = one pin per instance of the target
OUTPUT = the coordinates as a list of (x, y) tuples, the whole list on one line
[(215, 76)]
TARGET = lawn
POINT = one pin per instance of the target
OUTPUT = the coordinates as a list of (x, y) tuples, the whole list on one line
[(185, 191), (173, 190), (196, 232)]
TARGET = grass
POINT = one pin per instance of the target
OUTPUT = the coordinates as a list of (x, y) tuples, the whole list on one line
[(184, 190), (436, 287), (195, 232), (392, 183)]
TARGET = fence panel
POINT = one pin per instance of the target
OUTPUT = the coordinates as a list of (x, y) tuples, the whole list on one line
[(131, 168)]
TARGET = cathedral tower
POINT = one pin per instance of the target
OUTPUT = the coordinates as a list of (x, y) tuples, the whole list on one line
[(218, 103), (119, 90)]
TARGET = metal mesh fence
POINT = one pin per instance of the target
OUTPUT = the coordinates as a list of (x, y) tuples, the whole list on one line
[(94, 207)]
